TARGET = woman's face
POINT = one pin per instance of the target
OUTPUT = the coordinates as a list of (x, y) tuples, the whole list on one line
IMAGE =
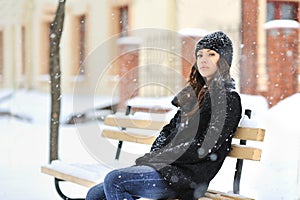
[(207, 60)]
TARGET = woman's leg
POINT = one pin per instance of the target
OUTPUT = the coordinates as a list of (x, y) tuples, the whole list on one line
[(134, 182), (96, 193)]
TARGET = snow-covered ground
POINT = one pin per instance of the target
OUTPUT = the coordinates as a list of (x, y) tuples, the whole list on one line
[(24, 149)]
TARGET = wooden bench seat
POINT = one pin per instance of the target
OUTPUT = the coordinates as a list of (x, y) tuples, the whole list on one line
[(143, 129), (82, 174), (88, 175)]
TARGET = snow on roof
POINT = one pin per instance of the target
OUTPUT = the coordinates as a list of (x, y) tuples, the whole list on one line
[(282, 23), (195, 32), (129, 40)]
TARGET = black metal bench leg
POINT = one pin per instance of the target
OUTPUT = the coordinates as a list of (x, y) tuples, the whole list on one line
[(239, 164), (127, 112), (237, 176), (119, 150), (60, 193)]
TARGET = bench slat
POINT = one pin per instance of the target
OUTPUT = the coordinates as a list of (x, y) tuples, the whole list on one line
[(228, 195), (255, 134), (242, 152), (237, 151), (216, 196), (129, 137), (131, 122), (67, 177)]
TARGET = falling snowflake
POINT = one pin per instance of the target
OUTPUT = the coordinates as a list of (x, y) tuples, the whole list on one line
[(53, 35), (174, 179)]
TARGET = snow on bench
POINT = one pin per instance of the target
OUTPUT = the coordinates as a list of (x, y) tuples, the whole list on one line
[(153, 104), (85, 108), (86, 175)]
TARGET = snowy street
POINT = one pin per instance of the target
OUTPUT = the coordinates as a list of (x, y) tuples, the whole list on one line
[(24, 149)]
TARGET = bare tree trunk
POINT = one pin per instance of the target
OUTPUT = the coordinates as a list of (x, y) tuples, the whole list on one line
[(55, 74)]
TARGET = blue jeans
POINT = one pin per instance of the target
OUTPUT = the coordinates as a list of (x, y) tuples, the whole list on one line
[(132, 183)]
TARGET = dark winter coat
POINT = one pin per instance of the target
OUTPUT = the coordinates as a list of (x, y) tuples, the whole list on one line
[(190, 150)]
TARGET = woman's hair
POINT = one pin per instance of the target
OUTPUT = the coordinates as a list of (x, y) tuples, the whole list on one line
[(220, 80)]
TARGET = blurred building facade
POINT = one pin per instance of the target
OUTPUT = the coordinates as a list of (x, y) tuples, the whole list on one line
[(270, 49), (109, 45), (94, 31)]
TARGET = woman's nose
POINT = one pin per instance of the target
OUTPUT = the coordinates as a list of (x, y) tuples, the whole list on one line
[(203, 60)]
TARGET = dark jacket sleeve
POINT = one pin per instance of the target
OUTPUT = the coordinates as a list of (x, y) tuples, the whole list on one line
[(207, 131)]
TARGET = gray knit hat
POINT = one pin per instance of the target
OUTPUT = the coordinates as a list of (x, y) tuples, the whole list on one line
[(219, 42)]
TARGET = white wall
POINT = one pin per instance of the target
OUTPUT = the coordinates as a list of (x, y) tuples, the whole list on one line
[(209, 15), (150, 14)]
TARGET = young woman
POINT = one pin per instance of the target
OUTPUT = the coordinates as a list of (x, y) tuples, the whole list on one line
[(190, 150)]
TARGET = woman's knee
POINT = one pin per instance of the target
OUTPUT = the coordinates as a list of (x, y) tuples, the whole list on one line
[(96, 193), (112, 177)]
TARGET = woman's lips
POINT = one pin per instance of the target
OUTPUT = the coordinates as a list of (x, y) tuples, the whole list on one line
[(203, 67)]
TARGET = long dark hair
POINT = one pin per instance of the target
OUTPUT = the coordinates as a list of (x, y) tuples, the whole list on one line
[(220, 81)]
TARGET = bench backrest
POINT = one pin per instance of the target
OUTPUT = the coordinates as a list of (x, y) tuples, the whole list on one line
[(144, 130)]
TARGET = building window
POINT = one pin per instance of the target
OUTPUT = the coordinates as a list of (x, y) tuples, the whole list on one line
[(82, 42), (120, 20), (124, 21), (78, 47), (282, 10)]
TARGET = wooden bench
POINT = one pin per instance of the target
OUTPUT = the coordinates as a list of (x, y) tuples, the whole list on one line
[(144, 129), (129, 128)]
